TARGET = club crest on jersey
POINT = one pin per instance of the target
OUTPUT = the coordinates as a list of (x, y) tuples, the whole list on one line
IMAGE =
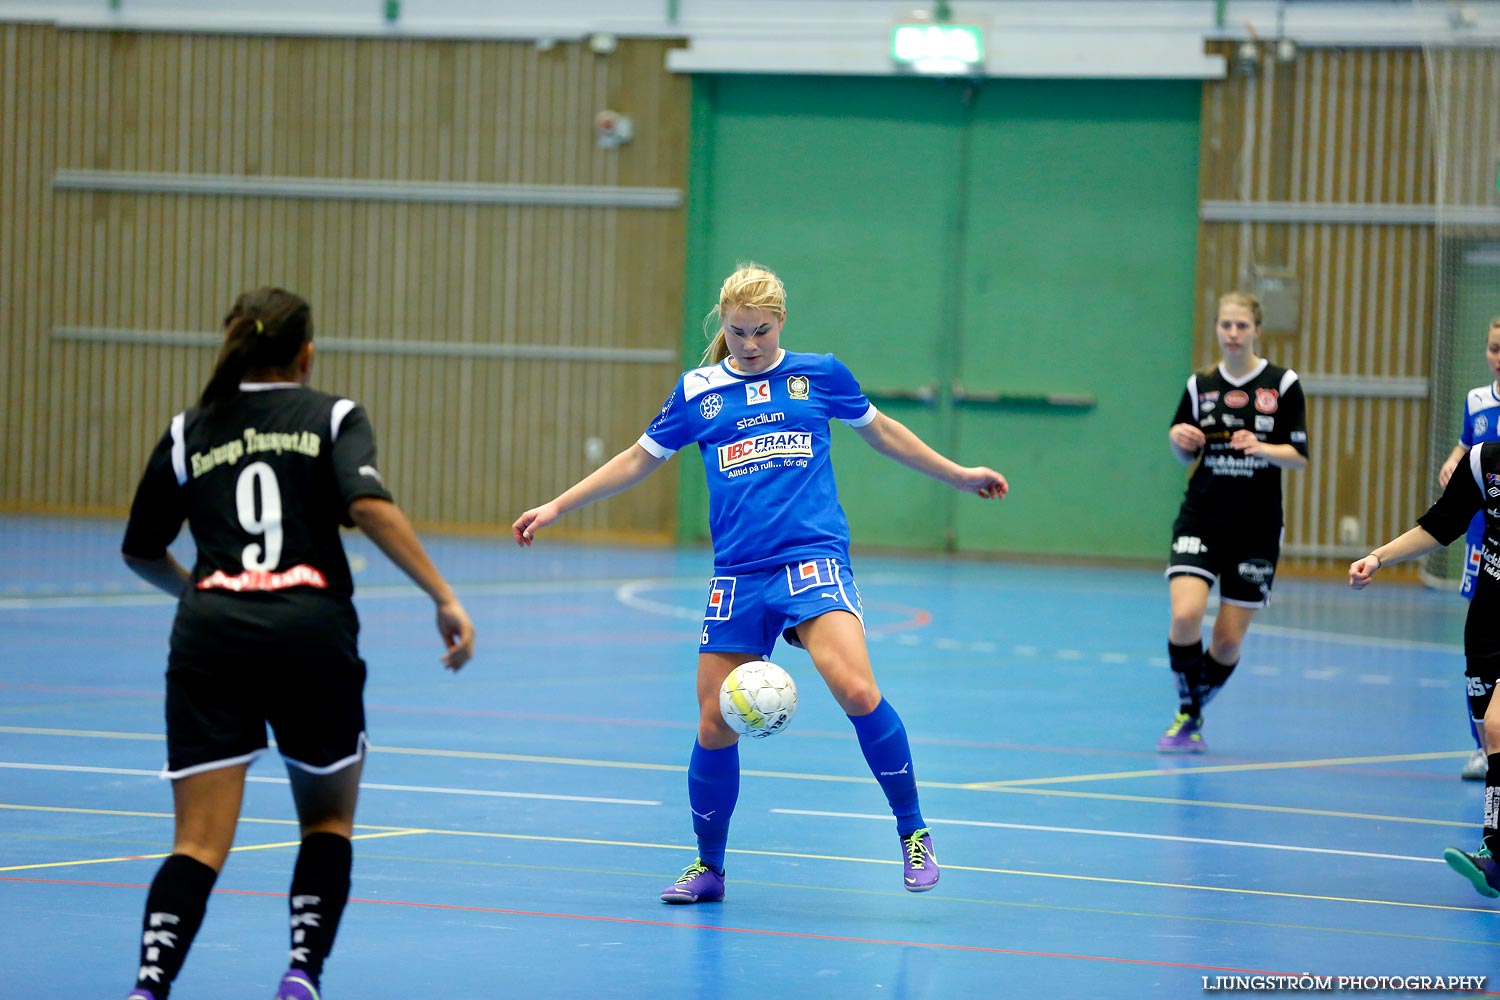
[(1481, 424), (757, 393), (797, 386), (1265, 400), (711, 405), (1236, 398)]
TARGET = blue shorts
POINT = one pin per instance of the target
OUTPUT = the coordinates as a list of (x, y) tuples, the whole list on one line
[(746, 613)]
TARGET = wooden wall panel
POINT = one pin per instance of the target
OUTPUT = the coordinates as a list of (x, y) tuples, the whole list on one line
[(1349, 129), (464, 440)]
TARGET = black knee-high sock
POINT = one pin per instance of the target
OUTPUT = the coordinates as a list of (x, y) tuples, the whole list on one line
[(174, 912), (1215, 675), (320, 888), (1187, 667), (1492, 806)]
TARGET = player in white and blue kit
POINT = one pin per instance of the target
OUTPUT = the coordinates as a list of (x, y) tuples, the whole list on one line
[(760, 417), (1481, 424)]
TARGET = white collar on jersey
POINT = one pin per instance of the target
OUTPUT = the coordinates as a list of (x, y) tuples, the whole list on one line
[(1252, 373), (268, 386), (780, 357)]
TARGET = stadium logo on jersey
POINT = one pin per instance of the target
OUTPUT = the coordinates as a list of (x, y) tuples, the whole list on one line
[(371, 472), (1264, 423), (720, 599), (785, 444), (757, 393), (711, 405), (1236, 398), (1205, 404), (1265, 400), (1299, 437), (1481, 424), (745, 423), (797, 386)]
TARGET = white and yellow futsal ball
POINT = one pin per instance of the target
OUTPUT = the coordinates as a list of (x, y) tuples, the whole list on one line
[(758, 699)]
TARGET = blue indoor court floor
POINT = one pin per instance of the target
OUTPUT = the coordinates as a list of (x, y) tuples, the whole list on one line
[(519, 819)]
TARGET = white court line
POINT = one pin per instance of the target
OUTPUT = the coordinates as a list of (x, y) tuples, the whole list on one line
[(627, 592), (425, 789), (365, 592), (1120, 833)]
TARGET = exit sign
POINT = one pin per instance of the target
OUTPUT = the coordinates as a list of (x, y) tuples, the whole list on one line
[(938, 48)]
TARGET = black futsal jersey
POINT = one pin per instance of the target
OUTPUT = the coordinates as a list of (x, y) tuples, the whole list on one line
[(1473, 487), (264, 480), (1268, 402)]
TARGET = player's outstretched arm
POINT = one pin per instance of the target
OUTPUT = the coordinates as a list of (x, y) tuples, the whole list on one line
[(895, 440), (389, 529), (1411, 545), (615, 476), (1451, 463)]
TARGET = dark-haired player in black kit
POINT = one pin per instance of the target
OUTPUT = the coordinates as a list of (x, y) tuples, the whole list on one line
[(1473, 487), (264, 471), (1242, 422)]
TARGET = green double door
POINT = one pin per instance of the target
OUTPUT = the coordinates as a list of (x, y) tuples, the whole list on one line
[(1007, 268)]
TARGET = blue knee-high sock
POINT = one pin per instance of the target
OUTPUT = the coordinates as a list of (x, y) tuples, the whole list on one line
[(713, 789), (882, 737)]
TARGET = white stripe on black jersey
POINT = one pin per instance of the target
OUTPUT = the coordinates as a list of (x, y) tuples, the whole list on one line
[(265, 479)]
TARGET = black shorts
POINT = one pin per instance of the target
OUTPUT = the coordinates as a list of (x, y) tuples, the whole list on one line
[(218, 709), (1242, 559), (1481, 673)]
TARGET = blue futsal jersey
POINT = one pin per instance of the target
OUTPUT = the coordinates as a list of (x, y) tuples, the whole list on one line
[(765, 443), (1481, 424)]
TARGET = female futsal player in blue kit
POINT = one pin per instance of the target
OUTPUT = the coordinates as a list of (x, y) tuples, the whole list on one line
[(760, 416)]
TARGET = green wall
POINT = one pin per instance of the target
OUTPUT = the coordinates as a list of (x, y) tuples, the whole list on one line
[(993, 241)]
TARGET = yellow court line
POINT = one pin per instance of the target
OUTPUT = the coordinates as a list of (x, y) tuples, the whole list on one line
[(165, 854), (1281, 765), (536, 838), (77, 810)]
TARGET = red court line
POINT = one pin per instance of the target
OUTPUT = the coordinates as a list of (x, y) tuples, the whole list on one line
[(937, 946)]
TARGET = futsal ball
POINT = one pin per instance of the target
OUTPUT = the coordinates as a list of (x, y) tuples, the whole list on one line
[(758, 699)]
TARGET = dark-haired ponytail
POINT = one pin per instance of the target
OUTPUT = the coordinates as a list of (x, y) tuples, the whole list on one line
[(264, 331), (233, 361)]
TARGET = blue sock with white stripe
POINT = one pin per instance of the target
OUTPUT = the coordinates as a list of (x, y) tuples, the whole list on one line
[(713, 789), (882, 737)]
